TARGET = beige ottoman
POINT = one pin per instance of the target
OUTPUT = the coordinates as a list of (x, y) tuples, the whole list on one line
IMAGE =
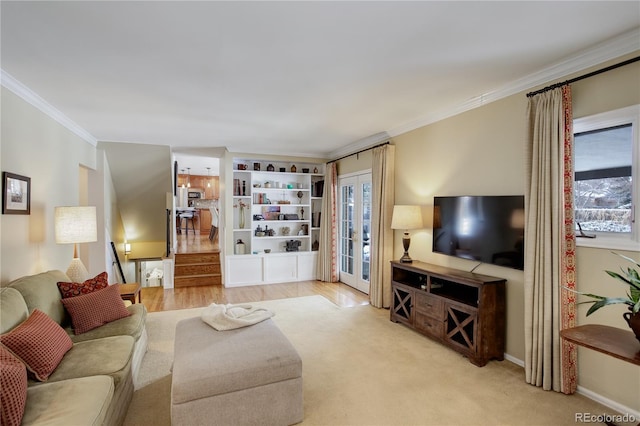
[(247, 376)]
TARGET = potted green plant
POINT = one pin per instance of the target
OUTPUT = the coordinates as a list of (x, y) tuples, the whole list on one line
[(631, 278)]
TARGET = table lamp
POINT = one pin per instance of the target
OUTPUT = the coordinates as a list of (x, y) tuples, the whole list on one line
[(406, 217), (74, 225)]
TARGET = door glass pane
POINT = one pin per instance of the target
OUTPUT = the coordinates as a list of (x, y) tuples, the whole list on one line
[(366, 230), (346, 230)]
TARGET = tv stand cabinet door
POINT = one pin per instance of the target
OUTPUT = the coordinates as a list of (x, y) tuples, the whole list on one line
[(402, 304), (461, 330)]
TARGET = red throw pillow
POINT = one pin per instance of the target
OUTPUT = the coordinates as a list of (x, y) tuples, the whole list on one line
[(39, 342), (92, 310), (98, 282), (13, 388)]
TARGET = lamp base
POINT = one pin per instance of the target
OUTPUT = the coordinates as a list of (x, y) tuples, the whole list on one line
[(406, 241)]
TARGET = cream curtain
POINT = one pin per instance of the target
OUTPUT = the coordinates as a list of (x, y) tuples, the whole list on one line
[(382, 199), (549, 242), (327, 268)]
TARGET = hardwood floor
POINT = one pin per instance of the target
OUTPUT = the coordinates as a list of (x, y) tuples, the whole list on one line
[(158, 299)]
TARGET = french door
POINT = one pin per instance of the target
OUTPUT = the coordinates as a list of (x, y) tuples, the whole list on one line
[(355, 230)]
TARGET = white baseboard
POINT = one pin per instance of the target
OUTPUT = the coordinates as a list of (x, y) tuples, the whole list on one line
[(591, 395), (609, 403)]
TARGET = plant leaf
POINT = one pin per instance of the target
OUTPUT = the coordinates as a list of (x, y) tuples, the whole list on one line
[(607, 301)]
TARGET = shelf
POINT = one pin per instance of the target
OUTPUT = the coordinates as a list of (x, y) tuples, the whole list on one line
[(282, 237)]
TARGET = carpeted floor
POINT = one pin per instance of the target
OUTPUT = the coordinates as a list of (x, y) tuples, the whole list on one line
[(359, 368)]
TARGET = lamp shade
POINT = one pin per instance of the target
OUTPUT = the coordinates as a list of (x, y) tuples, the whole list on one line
[(75, 224), (406, 217)]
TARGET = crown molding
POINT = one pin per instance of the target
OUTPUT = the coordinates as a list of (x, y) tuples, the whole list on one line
[(610, 49), (28, 95)]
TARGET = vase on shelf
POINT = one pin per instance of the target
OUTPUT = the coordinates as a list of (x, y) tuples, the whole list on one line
[(241, 221)]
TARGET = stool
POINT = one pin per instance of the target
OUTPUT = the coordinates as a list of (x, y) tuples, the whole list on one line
[(187, 217), (246, 376)]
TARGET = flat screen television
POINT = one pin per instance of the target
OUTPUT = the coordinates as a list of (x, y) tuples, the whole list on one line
[(487, 229)]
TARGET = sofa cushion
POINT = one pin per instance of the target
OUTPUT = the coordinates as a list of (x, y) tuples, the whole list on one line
[(92, 310), (13, 310), (110, 356), (83, 401), (39, 342), (40, 291), (13, 388), (132, 325), (69, 289)]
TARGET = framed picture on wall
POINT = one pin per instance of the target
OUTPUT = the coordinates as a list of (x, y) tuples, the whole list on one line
[(16, 194)]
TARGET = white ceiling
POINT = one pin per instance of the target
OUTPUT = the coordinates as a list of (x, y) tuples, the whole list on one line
[(294, 78)]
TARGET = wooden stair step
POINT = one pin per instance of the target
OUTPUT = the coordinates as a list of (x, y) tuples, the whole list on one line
[(197, 269), (197, 280), (189, 258)]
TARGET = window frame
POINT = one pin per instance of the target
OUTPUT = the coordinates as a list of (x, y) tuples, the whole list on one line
[(627, 115)]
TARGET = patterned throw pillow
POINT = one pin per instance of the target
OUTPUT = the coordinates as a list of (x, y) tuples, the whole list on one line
[(39, 342), (13, 388), (98, 282), (92, 310)]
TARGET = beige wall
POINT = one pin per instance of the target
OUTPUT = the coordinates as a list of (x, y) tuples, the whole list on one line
[(62, 168), (482, 151)]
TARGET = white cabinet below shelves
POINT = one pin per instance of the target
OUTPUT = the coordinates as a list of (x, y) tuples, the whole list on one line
[(270, 268)]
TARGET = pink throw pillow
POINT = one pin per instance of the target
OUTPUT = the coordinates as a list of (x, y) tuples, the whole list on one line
[(98, 282), (13, 388), (39, 342), (92, 310)]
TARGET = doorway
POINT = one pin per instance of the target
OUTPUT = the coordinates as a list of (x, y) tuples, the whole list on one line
[(355, 230)]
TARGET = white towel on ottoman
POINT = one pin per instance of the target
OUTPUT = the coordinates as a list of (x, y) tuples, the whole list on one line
[(229, 317)]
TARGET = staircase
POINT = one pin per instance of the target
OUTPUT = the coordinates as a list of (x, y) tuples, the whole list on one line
[(197, 269)]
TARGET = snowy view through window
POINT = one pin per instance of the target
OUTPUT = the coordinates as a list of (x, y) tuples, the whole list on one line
[(603, 183)]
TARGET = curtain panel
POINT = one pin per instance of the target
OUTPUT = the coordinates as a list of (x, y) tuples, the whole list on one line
[(382, 200), (550, 267), (327, 268)]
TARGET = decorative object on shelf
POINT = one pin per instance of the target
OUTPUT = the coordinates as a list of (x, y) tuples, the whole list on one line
[(258, 217), (244, 188), (406, 217), (301, 213), (299, 195), (256, 167), (305, 170), (293, 169), (242, 167), (315, 246), (630, 278), (270, 168), (241, 205), (16, 194), (305, 229), (267, 250), (292, 245), (315, 170), (267, 184), (75, 225), (259, 232), (282, 170), (240, 247), (285, 230)]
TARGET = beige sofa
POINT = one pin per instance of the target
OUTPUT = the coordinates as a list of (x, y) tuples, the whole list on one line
[(94, 382)]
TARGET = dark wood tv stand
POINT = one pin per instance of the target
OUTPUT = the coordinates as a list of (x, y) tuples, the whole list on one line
[(460, 309)]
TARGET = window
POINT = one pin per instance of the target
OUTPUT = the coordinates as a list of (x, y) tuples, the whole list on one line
[(606, 185)]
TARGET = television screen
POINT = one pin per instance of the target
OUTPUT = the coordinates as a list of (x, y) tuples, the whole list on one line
[(488, 229)]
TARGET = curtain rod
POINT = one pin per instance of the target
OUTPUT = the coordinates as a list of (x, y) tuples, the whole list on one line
[(356, 153), (582, 77)]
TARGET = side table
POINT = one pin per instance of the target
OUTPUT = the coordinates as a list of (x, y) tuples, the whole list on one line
[(130, 291), (612, 341)]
